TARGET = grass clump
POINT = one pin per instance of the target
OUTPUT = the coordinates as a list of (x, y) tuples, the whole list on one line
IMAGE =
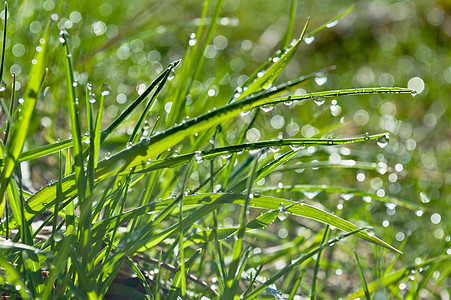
[(185, 202)]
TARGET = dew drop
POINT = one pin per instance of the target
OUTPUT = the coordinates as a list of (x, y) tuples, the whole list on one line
[(309, 39), (347, 196), (288, 103), (63, 36), (75, 83), (105, 89), (366, 136), (171, 75), (257, 194), (332, 24), (245, 113), (282, 215), (320, 80), (226, 155), (192, 40), (274, 149), (310, 195), (267, 108), (107, 156), (413, 93), (198, 157), (383, 141), (296, 147), (129, 145), (2, 86), (319, 100), (92, 99)]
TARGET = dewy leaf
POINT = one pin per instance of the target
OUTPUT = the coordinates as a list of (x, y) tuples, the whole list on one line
[(20, 127), (150, 148), (216, 200)]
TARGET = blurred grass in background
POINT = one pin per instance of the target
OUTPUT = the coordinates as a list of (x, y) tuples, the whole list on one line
[(380, 43)]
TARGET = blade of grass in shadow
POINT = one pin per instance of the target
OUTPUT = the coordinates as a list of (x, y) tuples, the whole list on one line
[(362, 277), (5, 26), (297, 261), (316, 270), (20, 128)]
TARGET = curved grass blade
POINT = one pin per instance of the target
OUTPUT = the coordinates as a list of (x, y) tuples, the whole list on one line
[(150, 148), (296, 262), (348, 191), (210, 202), (329, 24), (20, 128), (265, 81)]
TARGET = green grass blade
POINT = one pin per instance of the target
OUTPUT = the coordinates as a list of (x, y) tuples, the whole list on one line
[(395, 277), (362, 277), (5, 26), (343, 191), (316, 270), (296, 262), (266, 80), (286, 39), (296, 285), (20, 127), (329, 24)]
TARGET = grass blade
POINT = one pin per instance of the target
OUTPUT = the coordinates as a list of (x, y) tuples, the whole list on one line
[(362, 277), (20, 128)]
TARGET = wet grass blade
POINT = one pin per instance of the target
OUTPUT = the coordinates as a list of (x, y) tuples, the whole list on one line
[(20, 128), (343, 191), (296, 262), (329, 24), (265, 80), (150, 148)]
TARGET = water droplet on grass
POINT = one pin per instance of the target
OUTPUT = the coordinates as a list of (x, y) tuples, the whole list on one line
[(2, 86), (257, 194), (309, 39), (105, 89), (107, 156), (198, 157), (192, 40), (347, 196), (320, 80), (129, 145), (171, 75), (282, 212), (319, 100), (366, 136), (226, 155), (274, 148), (63, 36), (267, 108), (383, 141), (296, 147), (332, 24), (310, 194)]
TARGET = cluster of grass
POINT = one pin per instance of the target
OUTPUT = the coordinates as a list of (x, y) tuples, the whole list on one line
[(187, 192)]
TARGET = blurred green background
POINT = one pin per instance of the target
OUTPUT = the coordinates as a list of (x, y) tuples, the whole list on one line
[(380, 43)]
